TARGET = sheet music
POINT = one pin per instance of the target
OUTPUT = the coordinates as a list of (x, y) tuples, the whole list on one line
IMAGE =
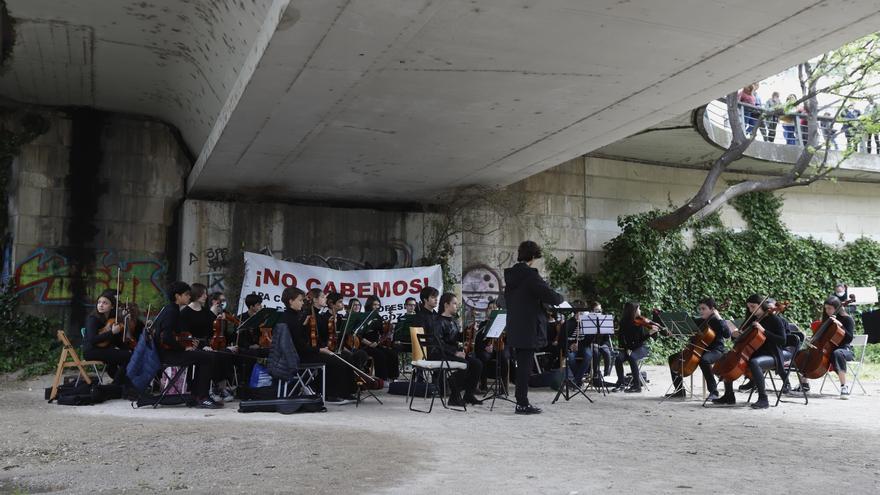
[(497, 327), (595, 324), (564, 305)]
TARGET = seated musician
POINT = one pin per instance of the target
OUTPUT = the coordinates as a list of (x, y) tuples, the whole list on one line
[(579, 346), (426, 312), (247, 341), (634, 346), (328, 308), (768, 356), (198, 319), (354, 306), (167, 326), (384, 357), (602, 349), (443, 345), (484, 349), (339, 378), (106, 346), (834, 309), (713, 352)]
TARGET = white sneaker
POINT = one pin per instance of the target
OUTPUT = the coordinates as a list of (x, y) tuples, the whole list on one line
[(844, 392)]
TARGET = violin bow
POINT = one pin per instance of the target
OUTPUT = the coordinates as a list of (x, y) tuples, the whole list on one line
[(748, 320)]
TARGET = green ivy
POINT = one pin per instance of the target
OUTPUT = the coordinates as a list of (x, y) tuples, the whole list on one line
[(27, 341), (661, 270)]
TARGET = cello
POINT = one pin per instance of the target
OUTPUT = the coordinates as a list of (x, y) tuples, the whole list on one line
[(735, 363), (688, 360), (814, 361)]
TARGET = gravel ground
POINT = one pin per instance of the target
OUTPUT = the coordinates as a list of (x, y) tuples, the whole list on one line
[(622, 442)]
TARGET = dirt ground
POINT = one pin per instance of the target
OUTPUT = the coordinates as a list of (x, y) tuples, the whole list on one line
[(619, 443)]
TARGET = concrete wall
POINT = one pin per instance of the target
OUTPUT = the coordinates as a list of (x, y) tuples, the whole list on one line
[(140, 182), (574, 209), (214, 235)]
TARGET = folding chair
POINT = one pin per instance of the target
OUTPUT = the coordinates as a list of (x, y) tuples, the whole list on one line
[(425, 368), (70, 359), (793, 343), (859, 344), (95, 363), (307, 374)]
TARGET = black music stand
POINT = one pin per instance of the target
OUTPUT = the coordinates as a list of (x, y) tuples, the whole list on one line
[(681, 327), (499, 389), (596, 325), (568, 389)]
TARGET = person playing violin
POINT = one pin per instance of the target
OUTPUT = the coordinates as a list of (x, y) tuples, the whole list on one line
[(105, 344), (767, 357), (710, 317), (327, 307), (166, 328), (248, 341), (834, 309), (635, 330), (384, 358), (198, 319)]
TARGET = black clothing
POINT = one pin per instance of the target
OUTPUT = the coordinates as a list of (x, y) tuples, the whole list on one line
[(708, 358), (92, 337), (632, 336), (167, 326), (849, 326), (774, 330), (443, 345), (525, 293), (339, 379), (768, 356), (721, 332), (199, 323), (424, 318), (524, 360), (384, 358)]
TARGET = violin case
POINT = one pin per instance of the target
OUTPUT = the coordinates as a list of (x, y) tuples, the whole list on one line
[(313, 403)]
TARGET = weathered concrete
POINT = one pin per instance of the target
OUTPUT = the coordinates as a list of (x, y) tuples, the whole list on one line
[(142, 172), (214, 235)]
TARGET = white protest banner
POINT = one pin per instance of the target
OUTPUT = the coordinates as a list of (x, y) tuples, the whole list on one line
[(267, 277)]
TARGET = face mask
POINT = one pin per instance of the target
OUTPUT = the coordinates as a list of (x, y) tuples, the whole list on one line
[(223, 305)]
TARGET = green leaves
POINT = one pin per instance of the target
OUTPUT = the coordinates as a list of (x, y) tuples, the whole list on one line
[(661, 270), (27, 341)]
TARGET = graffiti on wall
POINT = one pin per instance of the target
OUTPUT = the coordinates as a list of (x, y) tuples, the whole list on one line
[(479, 284), (44, 275), (216, 261)]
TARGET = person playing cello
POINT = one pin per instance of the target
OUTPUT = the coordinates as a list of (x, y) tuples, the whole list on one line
[(708, 317)]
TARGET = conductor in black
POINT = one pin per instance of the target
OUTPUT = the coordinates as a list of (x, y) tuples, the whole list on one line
[(526, 293)]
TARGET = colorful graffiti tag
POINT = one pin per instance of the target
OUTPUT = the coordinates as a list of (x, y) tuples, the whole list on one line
[(45, 274), (479, 284)]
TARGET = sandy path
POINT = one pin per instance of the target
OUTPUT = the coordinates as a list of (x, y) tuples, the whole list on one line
[(621, 442)]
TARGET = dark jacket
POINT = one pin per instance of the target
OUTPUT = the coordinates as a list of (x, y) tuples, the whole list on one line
[(720, 329), (525, 294), (446, 334), (93, 337), (283, 358), (166, 326)]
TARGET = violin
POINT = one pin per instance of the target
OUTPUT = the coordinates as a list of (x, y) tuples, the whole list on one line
[(184, 339), (129, 326), (331, 333), (108, 327), (815, 360), (386, 339), (312, 324), (468, 336), (220, 329), (641, 321)]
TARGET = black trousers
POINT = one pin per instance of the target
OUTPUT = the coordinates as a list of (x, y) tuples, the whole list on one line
[(385, 360), (632, 357), (524, 360), (603, 352), (115, 359), (468, 379), (246, 363), (339, 377), (840, 356), (757, 366), (206, 364), (706, 360)]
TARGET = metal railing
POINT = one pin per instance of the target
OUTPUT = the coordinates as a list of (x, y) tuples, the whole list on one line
[(791, 129)]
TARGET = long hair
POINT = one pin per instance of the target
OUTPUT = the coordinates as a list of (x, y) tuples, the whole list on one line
[(368, 304), (629, 311), (110, 296), (290, 293), (838, 306)]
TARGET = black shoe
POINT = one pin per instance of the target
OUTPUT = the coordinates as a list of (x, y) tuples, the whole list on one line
[(762, 403), (528, 409), (745, 387), (804, 387), (633, 390), (208, 404), (681, 394), (456, 402), (786, 389), (470, 399), (618, 387), (725, 400)]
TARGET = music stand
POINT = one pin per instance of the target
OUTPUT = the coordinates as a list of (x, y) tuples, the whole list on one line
[(681, 327), (496, 326), (596, 325), (568, 389)]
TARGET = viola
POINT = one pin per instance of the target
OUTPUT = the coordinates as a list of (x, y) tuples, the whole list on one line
[(265, 340), (312, 324), (218, 338), (108, 327), (331, 333), (814, 361), (185, 339), (129, 326)]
